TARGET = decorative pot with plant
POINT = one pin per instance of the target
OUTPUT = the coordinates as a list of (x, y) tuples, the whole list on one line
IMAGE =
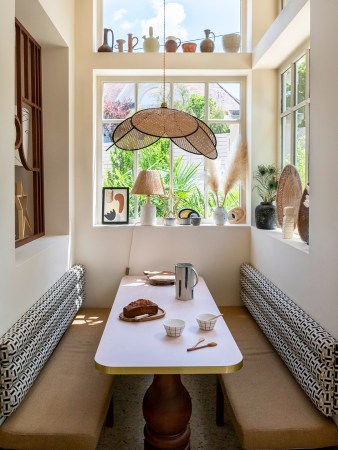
[(236, 172), (267, 183)]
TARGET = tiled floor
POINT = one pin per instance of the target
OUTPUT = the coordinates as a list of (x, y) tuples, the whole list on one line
[(127, 433)]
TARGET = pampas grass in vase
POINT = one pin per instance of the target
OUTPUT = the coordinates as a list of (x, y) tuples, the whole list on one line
[(221, 184)]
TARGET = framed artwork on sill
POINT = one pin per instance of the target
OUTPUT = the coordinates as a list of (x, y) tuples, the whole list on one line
[(115, 205)]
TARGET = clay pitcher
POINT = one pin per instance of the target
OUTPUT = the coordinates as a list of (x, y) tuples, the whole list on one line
[(119, 45), (171, 44), (105, 47), (131, 39), (207, 45)]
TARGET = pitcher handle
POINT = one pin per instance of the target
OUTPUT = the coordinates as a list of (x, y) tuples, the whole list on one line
[(213, 34), (112, 37), (178, 39), (196, 275), (135, 37)]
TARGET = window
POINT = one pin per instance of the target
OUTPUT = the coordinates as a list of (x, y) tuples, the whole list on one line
[(295, 115), (218, 103), (29, 219), (184, 19)]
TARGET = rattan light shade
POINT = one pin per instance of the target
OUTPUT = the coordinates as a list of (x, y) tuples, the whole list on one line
[(148, 182), (149, 125)]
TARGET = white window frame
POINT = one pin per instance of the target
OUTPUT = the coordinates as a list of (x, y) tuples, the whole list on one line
[(100, 80), (291, 63)]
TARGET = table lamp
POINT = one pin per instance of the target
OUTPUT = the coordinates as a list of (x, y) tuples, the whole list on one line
[(148, 182)]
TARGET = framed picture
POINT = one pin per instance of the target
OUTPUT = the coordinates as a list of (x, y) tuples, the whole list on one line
[(115, 205)]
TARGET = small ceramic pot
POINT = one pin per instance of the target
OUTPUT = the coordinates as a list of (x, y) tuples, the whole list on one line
[(195, 221), (265, 216), (169, 221), (189, 47), (231, 42), (220, 216)]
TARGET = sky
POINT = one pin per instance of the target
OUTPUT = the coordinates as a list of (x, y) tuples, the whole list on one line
[(185, 19)]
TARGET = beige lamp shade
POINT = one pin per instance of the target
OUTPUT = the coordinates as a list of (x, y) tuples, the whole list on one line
[(148, 182)]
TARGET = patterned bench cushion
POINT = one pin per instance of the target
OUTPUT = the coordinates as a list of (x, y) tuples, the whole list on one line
[(27, 345), (307, 349)]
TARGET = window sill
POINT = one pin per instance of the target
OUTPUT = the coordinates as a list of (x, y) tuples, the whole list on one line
[(32, 249), (160, 225), (295, 242)]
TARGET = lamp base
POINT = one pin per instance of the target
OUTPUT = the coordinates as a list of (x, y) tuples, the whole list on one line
[(148, 214)]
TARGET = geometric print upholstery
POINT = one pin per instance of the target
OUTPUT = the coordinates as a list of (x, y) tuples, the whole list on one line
[(27, 345), (309, 351)]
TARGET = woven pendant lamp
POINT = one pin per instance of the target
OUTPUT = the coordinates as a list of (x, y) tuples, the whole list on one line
[(147, 126)]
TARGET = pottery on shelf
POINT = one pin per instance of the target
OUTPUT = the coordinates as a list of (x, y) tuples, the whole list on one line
[(207, 45), (265, 216), (172, 44), (131, 40), (231, 42), (119, 45), (105, 47), (151, 44), (220, 216), (189, 47)]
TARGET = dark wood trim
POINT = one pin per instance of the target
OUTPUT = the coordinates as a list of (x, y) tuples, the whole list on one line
[(219, 404), (28, 92)]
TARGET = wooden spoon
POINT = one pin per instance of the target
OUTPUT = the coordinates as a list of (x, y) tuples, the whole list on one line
[(210, 344), (215, 317), (198, 342)]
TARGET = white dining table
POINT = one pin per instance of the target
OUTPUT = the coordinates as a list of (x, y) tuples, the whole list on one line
[(144, 348)]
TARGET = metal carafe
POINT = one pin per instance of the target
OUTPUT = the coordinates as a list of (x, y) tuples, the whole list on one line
[(186, 279)]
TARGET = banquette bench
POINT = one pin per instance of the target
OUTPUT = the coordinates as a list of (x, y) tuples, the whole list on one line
[(287, 391), (51, 395)]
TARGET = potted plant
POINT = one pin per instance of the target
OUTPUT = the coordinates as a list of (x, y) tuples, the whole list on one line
[(267, 183)]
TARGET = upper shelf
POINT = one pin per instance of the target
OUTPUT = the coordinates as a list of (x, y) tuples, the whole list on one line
[(290, 29), (152, 63)]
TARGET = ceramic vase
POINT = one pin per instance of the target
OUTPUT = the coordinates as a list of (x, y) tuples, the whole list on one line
[(207, 45), (151, 44), (220, 216), (231, 42), (105, 47), (265, 216)]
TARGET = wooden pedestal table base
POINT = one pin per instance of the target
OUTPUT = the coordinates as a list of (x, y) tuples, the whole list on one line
[(167, 411)]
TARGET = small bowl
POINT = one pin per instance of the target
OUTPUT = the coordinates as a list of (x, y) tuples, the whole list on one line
[(174, 327), (185, 221), (204, 323), (189, 47), (195, 221)]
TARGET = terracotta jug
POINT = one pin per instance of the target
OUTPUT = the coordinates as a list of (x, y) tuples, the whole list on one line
[(131, 39), (171, 44), (207, 45), (105, 47), (151, 44)]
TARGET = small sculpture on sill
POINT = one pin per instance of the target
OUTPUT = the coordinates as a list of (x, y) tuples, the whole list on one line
[(288, 222), (105, 47)]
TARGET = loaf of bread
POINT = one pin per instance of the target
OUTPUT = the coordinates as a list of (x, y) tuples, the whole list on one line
[(139, 307)]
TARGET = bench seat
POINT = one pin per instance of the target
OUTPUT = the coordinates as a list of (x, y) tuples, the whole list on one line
[(68, 402), (267, 406)]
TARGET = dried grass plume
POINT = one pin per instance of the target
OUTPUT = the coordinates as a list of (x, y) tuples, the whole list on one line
[(237, 168)]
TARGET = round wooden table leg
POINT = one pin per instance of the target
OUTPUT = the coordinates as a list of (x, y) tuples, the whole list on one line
[(167, 411)]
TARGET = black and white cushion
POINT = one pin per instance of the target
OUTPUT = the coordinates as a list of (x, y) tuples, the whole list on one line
[(308, 350), (27, 345)]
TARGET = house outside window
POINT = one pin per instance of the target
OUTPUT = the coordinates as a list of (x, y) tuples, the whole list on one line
[(295, 115), (219, 103)]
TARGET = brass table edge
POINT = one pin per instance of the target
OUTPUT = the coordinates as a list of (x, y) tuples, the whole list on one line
[(168, 370)]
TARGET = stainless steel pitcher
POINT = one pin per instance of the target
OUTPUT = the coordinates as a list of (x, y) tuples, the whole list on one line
[(186, 279)]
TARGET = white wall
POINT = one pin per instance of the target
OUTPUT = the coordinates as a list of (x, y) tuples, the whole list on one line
[(310, 279), (216, 252), (27, 272)]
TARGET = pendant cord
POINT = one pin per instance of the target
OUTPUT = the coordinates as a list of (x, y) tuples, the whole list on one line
[(164, 96)]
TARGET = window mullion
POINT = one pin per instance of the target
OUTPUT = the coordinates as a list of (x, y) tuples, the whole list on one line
[(136, 157), (293, 114)]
